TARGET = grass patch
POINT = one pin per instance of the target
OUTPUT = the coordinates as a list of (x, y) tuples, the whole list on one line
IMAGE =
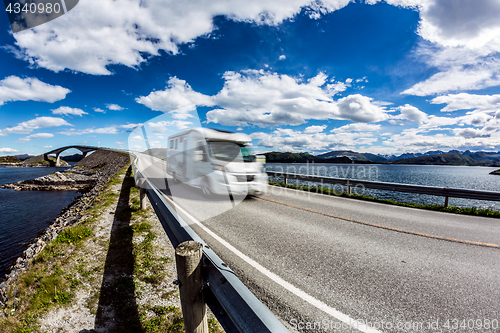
[(74, 235), (50, 291), (147, 267), (450, 209), (141, 227), (165, 319)]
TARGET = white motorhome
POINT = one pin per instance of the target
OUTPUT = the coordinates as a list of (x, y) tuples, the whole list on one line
[(216, 161)]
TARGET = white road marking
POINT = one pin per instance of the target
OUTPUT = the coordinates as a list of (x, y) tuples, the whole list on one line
[(288, 286)]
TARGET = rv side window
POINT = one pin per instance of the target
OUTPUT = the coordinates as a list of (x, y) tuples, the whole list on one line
[(176, 143), (201, 146), (171, 144)]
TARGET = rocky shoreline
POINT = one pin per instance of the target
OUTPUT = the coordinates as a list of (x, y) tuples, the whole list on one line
[(87, 176), (496, 172), (74, 179)]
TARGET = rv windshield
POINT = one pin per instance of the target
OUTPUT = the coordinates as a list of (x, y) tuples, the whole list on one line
[(229, 151)]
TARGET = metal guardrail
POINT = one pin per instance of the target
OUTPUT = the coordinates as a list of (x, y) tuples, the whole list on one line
[(234, 306), (420, 189)]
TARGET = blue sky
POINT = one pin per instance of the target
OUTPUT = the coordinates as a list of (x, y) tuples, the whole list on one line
[(381, 77)]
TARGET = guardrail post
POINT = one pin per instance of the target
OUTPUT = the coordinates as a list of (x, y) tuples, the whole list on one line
[(446, 201), (188, 257), (286, 181), (142, 195)]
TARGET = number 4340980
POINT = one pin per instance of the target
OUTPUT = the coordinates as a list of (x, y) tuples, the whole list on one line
[(33, 8)]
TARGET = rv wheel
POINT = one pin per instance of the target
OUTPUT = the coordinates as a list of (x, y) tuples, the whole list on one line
[(205, 187)]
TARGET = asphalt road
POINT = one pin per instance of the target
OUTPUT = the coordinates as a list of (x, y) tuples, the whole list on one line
[(322, 246)]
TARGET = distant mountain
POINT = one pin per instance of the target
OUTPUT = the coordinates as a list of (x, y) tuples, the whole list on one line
[(23, 157), (392, 158), (434, 157), (485, 157), (288, 157), (440, 159), (481, 158), (362, 157)]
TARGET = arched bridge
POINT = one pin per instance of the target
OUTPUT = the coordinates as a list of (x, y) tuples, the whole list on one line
[(84, 149)]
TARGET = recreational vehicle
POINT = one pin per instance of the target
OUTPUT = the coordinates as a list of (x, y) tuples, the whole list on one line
[(216, 161)]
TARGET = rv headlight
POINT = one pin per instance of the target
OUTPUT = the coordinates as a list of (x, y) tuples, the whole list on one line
[(219, 167)]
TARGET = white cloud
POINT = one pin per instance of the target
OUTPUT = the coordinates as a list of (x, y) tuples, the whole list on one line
[(265, 98), (127, 31), (356, 127), (137, 138), (177, 98), (36, 137), (414, 140), (65, 110), (464, 44), (162, 126), (114, 107), (472, 133), (8, 150), (282, 57), (458, 78), (434, 122), (114, 129), (47, 146), (14, 88), (464, 101), (29, 126), (290, 140), (337, 87), (99, 110), (360, 108), (470, 23), (314, 129), (102, 130), (483, 112), (129, 126), (410, 112)]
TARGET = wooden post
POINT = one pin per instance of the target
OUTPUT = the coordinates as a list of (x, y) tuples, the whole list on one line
[(188, 257), (142, 195), (446, 201), (349, 189), (286, 181)]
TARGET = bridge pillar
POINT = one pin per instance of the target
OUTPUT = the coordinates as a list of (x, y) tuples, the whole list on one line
[(85, 154), (46, 157), (58, 160)]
